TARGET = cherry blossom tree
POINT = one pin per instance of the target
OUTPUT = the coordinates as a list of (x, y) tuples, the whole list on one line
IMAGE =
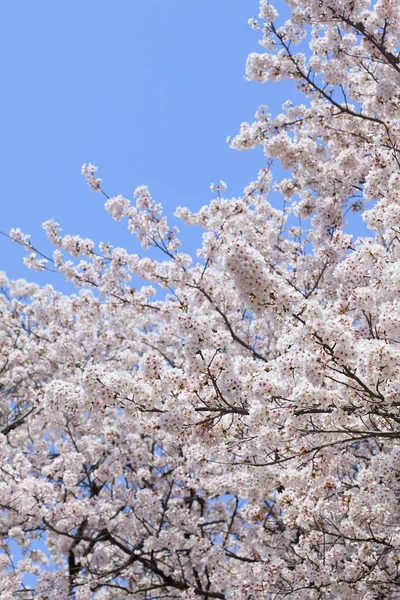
[(230, 429)]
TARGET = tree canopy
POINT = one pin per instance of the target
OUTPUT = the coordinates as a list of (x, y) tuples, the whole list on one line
[(231, 429)]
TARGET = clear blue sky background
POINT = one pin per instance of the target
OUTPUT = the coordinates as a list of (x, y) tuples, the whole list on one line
[(148, 90)]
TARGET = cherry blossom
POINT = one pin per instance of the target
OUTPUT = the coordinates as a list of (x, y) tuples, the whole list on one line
[(230, 428)]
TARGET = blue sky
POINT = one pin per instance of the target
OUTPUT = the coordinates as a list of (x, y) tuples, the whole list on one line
[(147, 90)]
